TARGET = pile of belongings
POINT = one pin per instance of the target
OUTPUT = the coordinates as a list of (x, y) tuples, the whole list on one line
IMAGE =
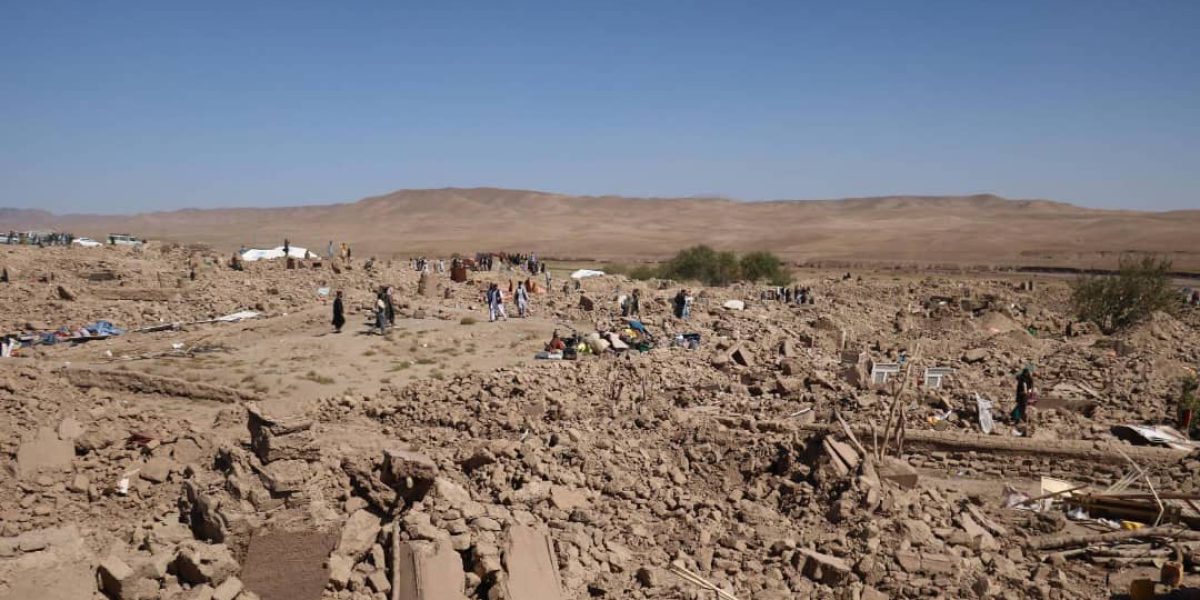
[(99, 330), (691, 341)]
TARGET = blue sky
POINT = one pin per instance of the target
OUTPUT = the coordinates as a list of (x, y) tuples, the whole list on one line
[(135, 106)]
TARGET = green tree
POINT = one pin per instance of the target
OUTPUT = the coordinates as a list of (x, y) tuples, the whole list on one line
[(757, 266), (1114, 302)]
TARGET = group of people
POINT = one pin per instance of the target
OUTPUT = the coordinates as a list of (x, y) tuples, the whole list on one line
[(682, 304), (384, 310), (486, 261), (424, 265), (1191, 297), (631, 305), (342, 252), (39, 239)]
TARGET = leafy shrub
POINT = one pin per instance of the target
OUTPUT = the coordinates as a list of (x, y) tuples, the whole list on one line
[(1114, 302)]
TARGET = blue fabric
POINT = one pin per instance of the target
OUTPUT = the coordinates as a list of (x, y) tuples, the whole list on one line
[(104, 328), (637, 326)]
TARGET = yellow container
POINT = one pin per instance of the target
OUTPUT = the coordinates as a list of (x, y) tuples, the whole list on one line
[(1141, 589)]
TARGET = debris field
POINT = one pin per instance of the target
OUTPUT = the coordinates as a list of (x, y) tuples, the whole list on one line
[(824, 450)]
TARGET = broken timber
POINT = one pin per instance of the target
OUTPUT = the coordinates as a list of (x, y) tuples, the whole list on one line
[(963, 442), (153, 384)]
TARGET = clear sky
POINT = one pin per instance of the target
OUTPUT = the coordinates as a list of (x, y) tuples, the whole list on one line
[(133, 106)]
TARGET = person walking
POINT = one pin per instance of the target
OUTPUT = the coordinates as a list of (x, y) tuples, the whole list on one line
[(329, 251), (634, 304), (339, 312), (522, 300), (1025, 394), (496, 303)]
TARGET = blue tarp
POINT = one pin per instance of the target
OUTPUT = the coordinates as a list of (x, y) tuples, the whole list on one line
[(104, 328)]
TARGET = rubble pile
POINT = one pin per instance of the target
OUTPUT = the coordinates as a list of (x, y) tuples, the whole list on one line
[(827, 450)]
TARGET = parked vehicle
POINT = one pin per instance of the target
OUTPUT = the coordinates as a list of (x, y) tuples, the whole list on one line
[(87, 242), (123, 239)]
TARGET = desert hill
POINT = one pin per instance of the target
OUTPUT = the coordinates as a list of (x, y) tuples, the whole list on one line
[(978, 229)]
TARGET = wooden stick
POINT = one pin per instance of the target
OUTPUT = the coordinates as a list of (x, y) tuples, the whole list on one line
[(850, 434), (700, 581), (1063, 541), (1050, 495)]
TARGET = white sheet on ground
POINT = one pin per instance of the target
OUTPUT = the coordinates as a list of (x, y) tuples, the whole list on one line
[(237, 316), (585, 273), (255, 254)]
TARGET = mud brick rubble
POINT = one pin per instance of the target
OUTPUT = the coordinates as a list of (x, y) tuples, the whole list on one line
[(592, 478)]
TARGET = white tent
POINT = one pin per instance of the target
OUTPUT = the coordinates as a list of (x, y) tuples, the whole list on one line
[(293, 251)]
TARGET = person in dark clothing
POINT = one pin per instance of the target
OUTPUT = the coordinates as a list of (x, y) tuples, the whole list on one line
[(389, 301), (339, 313), (1025, 390), (680, 302), (287, 248)]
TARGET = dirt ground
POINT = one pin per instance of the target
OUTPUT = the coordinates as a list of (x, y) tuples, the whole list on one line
[(235, 459)]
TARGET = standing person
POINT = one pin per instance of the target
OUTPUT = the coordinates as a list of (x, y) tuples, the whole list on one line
[(339, 312), (1025, 391), (522, 300), (547, 273), (687, 304), (634, 303), (329, 251), (389, 300), (679, 301), (491, 302), (497, 305), (287, 248), (381, 314)]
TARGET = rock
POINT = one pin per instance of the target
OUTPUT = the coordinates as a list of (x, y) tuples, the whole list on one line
[(114, 576), (51, 564), (975, 355), (45, 452), (531, 565), (734, 305), (358, 535), (741, 356), (79, 484), (285, 476), (824, 568), (455, 495), (69, 429), (565, 498), (982, 539), (378, 580), (156, 470), (898, 471), (65, 294), (340, 567), (186, 451), (228, 590), (205, 563), (428, 571), (291, 564), (408, 472)]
